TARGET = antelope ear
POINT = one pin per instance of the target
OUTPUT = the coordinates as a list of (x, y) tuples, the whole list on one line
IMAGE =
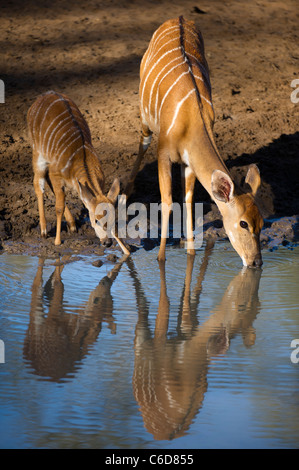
[(222, 186), (114, 191), (86, 194), (253, 178)]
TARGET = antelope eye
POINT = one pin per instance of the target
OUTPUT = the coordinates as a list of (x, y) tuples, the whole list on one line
[(243, 224)]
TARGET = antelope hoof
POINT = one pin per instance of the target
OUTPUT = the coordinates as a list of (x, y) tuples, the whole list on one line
[(44, 234), (57, 242), (73, 228)]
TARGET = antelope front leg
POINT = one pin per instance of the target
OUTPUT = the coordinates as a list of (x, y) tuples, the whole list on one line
[(145, 140), (39, 184), (70, 219), (164, 170), (58, 189), (189, 190)]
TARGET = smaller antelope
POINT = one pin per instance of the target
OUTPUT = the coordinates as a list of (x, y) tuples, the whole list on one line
[(63, 154), (176, 103)]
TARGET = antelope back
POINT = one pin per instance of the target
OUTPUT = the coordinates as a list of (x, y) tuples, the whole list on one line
[(57, 128), (173, 72)]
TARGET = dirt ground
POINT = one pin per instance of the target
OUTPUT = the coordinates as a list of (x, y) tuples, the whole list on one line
[(92, 51)]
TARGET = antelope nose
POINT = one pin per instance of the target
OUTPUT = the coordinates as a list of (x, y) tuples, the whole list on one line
[(257, 262), (107, 242)]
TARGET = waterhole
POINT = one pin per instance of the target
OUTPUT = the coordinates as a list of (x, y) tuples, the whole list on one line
[(129, 355)]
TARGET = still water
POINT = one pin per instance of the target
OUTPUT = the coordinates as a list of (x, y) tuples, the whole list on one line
[(130, 355)]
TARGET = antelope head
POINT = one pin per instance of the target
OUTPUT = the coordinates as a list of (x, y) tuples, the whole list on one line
[(241, 217), (101, 210)]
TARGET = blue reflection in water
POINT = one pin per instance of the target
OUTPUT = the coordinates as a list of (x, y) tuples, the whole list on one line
[(191, 354)]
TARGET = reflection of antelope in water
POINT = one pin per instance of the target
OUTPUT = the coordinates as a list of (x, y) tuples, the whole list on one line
[(170, 374), (57, 341)]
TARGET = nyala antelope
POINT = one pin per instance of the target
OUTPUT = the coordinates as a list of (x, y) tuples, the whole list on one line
[(176, 103), (63, 155)]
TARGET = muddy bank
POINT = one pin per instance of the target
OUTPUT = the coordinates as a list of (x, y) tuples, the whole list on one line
[(92, 52)]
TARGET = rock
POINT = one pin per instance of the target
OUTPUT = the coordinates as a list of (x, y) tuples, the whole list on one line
[(98, 263), (112, 257)]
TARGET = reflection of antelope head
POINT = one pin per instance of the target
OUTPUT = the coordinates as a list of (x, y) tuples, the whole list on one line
[(170, 373), (57, 341)]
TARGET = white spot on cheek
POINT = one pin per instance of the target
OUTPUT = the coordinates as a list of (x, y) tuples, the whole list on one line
[(244, 261), (236, 225)]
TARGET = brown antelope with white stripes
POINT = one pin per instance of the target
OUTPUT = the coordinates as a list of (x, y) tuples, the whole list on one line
[(176, 103), (63, 155)]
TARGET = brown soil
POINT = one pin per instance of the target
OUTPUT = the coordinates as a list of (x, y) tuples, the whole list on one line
[(92, 50)]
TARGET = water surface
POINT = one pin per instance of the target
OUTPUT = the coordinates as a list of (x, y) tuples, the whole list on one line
[(131, 355)]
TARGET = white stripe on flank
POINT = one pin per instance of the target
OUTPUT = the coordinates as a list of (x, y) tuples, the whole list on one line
[(54, 149), (198, 77), (192, 32), (83, 126), (162, 47), (67, 123), (158, 86), (208, 101), (178, 109), (154, 42), (69, 137), (199, 64), (169, 90), (153, 85), (161, 36), (45, 115), (69, 162), (69, 145), (35, 118), (53, 131), (155, 64), (164, 33)]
